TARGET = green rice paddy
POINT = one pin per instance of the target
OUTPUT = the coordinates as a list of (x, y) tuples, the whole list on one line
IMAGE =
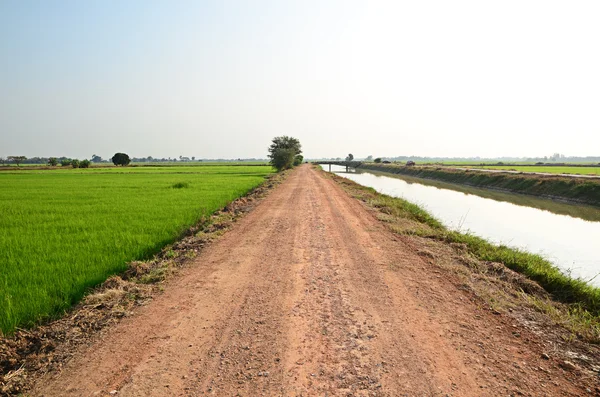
[(549, 170), (63, 231)]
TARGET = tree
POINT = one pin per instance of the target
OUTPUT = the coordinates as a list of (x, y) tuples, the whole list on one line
[(283, 152), (369, 158), (378, 160), (2, 160), (65, 162), (96, 159), (17, 159), (285, 142), (75, 163), (84, 164), (283, 159), (120, 159), (298, 159), (350, 157), (52, 161)]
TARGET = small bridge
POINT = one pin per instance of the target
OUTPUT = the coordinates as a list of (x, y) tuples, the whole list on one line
[(342, 163)]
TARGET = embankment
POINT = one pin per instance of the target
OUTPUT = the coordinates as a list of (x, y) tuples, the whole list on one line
[(576, 190), (408, 219)]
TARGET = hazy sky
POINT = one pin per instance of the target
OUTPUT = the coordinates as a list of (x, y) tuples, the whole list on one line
[(221, 78)]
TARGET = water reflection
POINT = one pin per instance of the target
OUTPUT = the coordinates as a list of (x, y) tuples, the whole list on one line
[(565, 234)]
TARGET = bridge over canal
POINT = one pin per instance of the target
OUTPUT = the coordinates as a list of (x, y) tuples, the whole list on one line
[(342, 163)]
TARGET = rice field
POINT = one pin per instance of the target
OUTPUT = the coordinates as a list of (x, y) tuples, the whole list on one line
[(549, 170), (66, 230)]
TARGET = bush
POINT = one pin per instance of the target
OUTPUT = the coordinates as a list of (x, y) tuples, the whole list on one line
[(52, 161), (65, 163), (121, 159), (283, 159), (84, 164), (298, 159), (75, 163), (377, 160)]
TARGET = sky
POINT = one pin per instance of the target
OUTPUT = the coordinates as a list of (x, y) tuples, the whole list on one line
[(220, 79)]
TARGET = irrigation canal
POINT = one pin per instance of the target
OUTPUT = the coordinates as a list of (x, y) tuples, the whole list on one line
[(566, 234)]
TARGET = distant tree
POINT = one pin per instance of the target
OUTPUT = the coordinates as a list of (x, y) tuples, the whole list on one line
[(285, 142), (17, 159), (369, 158), (378, 160), (96, 159), (75, 163), (52, 161), (350, 157), (120, 159), (3, 160), (298, 159), (283, 152), (193, 158), (37, 160), (65, 162), (84, 164)]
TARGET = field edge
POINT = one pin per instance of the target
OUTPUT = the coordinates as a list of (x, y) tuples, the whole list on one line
[(29, 353)]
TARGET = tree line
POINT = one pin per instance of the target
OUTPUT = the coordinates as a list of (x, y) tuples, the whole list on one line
[(95, 159), (285, 152), (117, 159)]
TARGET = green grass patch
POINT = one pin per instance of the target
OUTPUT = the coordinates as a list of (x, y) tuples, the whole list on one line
[(180, 185), (64, 231), (562, 287)]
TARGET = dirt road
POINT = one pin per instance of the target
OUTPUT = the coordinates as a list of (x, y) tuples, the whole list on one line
[(311, 295)]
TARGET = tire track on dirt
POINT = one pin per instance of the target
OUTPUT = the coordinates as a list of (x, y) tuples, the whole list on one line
[(397, 352)]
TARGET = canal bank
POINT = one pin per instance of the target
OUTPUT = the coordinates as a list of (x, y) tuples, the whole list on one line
[(561, 188), (565, 286)]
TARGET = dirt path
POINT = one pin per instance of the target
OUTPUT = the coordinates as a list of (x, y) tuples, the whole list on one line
[(310, 295)]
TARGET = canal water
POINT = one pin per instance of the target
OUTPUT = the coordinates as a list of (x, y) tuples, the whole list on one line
[(568, 235)]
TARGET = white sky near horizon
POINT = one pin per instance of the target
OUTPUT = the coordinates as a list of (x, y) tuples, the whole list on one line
[(219, 79)]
